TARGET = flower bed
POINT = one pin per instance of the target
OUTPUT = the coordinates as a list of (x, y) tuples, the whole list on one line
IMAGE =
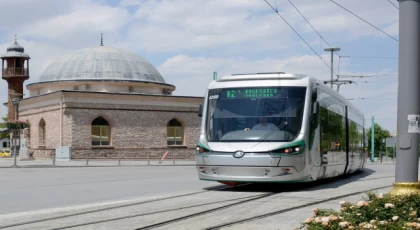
[(377, 211), (16, 124)]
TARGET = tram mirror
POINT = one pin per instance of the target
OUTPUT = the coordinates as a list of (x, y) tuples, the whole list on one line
[(314, 94), (315, 108), (200, 110)]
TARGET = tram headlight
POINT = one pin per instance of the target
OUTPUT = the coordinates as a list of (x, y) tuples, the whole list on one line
[(289, 150), (200, 149), (293, 148)]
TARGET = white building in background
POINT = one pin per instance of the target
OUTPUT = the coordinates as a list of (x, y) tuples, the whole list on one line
[(4, 143)]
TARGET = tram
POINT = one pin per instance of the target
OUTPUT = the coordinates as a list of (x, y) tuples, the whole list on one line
[(277, 128)]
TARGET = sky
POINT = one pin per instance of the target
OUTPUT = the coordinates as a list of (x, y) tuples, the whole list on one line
[(188, 40)]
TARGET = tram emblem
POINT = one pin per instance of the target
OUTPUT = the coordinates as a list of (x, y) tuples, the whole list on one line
[(238, 154)]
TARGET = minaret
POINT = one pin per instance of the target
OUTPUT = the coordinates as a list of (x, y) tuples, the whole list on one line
[(15, 70)]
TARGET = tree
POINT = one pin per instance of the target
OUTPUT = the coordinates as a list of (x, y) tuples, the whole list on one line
[(380, 135), (2, 125)]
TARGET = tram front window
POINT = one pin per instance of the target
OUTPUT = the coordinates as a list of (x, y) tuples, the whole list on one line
[(255, 114)]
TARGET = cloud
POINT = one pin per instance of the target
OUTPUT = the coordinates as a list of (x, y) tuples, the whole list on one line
[(83, 22), (23, 12), (189, 40), (191, 76)]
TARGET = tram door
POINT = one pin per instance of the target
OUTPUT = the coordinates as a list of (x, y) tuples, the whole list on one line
[(324, 130)]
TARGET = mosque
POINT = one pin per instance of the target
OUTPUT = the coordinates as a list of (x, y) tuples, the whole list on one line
[(101, 102)]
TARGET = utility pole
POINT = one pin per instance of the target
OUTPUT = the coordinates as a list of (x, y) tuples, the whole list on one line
[(406, 172), (372, 140), (332, 62), (15, 134)]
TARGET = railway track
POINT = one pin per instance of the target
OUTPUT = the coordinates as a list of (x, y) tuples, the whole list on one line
[(230, 203), (111, 208), (290, 209)]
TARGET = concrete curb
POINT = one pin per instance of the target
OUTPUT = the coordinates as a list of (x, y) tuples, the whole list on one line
[(89, 166)]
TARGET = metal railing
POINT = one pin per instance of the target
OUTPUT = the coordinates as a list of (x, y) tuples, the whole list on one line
[(15, 72)]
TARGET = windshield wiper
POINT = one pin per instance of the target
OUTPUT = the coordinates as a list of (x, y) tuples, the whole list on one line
[(271, 132)]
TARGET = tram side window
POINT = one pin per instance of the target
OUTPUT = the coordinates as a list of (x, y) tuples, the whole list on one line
[(333, 137), (354, 137), (361, 138), (337, 132), (325, 137)]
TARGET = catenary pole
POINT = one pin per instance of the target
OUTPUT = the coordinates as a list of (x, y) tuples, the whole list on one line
[(406, 172), (332, 50), (372, 140)]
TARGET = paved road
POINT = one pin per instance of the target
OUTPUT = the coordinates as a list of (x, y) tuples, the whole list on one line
[(25, 189), (149, 196)]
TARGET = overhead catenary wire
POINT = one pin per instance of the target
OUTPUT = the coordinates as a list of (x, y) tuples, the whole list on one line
[(393, 4), (364, 20), (303, 16), (364, 98), (372, 57), (323, 39), (297, 33), (368, 76)]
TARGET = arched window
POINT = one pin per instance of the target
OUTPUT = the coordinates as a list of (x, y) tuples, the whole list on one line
[(100, 132), (175, 135), (42, 133)]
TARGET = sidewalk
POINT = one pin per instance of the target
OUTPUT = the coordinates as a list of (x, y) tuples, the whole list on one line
[(48, 163)]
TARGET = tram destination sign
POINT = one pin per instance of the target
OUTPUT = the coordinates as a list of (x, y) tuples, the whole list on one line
[(253, 93)]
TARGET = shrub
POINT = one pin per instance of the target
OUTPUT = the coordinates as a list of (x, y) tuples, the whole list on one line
[(16, 124), (377, 211)]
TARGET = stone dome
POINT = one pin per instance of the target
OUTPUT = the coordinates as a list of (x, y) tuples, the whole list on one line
[(101, 63)]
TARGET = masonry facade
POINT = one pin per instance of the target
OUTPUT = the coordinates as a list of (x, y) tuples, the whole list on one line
[(133, 126), (102, 102)]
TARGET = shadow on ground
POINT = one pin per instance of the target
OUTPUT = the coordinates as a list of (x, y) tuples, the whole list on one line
[(307, 186)]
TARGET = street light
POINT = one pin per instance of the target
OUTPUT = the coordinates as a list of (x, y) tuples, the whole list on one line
[(332, 50), (15, 102)]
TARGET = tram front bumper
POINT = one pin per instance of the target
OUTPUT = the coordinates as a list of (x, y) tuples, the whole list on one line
[(250, 174)]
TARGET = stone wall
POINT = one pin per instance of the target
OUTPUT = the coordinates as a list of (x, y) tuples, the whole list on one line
[(51, 115), (137, 131)]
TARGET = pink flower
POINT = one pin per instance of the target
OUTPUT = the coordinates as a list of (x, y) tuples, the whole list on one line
[(342, 203), (309, 220), (383, 222), (344, 224), (380, 195), (389, 205), (395, 218), (332, 218), (362, 203), (368, 226)]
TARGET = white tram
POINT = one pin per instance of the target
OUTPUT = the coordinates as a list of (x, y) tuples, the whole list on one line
[(277, 127)]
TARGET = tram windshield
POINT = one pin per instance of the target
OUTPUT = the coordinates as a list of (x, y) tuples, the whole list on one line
[(255, 114)]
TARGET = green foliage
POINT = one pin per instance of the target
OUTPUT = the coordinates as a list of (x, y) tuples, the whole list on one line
[(380, 134), (17, 124), (3, 125), (374, 212)]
